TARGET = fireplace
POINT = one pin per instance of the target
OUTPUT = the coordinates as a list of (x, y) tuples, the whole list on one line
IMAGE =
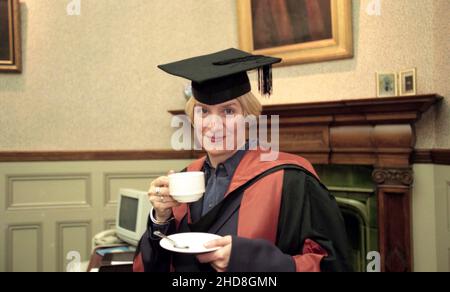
[(372, 137), (355, 194)]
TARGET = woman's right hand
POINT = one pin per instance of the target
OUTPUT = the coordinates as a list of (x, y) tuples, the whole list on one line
[(160, 198)]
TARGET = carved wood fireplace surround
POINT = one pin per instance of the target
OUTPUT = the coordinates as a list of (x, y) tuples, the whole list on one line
[(376, 132)]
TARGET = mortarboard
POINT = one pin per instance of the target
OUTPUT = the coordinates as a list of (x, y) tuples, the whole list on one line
[(222, 76)]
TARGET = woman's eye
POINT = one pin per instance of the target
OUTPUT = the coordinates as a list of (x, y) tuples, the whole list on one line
[(204, 111), (228, 111)]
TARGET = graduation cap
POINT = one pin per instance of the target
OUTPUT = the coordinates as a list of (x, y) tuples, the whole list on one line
[(222, 76)]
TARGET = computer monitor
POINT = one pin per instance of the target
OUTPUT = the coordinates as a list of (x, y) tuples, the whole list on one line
[(132, 215)]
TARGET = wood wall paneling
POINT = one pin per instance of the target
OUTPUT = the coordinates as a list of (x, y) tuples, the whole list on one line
[(24, 248), (73, 240)]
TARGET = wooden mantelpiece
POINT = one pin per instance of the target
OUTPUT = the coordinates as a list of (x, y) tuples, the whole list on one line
[(377, 132), (391, 110)]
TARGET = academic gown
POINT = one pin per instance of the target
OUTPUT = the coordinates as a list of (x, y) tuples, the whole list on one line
[(280, 216)]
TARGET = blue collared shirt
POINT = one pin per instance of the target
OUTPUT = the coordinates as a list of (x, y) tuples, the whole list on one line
[(218, 180)]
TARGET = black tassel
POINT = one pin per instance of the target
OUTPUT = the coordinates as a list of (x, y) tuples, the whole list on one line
[(265, 80), (264, 72)]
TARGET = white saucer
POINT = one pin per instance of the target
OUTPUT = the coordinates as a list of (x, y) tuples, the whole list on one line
[(194, 240)]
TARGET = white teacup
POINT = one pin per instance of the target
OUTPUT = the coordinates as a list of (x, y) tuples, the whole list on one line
[(187, 187)]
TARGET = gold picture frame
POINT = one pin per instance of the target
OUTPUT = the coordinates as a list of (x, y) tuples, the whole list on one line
[(387, 84), (337, 44), (408, 82), (10, 46)]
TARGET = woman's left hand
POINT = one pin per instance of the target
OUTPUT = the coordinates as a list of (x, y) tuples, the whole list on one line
[(220, 258)]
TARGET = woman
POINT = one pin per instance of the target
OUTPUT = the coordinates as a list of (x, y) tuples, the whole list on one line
[(272, 215)]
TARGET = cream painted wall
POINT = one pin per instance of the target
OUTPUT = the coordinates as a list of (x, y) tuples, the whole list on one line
[(442, 187), (441, 28), (90, 82), (424, 219), (431, 218)]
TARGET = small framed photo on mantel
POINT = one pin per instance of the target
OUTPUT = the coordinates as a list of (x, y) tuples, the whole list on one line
[(407, 80), (387, 84)]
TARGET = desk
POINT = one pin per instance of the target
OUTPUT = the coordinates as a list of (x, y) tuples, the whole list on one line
[(119, 260)]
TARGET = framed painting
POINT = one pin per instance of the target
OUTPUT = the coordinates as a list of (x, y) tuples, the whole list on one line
[(299, 31), (10, 50), (387, 84), (408, 82)]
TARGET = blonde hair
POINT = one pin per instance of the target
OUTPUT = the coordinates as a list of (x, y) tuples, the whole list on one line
[(249, 103)]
